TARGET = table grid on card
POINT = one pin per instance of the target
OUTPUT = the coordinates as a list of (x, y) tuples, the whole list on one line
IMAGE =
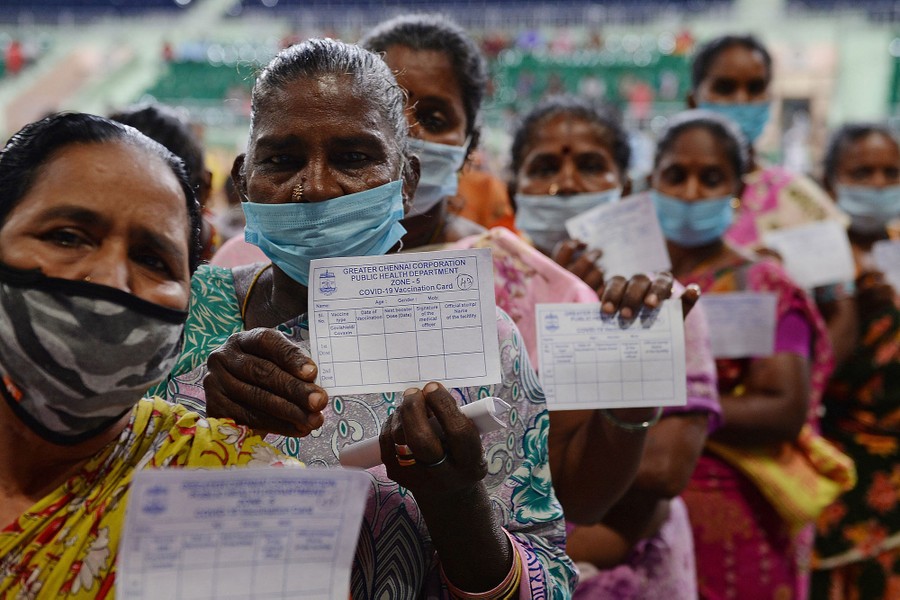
[(380, 345), (267, 560), (583, 369)]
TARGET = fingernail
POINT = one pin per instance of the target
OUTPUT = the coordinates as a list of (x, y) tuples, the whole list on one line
[(609, 307), (410, 392), (430, 387), (626, 313), (651, 300), (307, 370), (317, 401)]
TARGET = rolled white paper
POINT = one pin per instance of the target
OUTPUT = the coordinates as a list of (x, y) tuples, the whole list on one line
[(485, 413)]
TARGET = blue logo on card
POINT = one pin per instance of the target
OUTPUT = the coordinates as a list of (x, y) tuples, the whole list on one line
[(551, 322), (327, 283)]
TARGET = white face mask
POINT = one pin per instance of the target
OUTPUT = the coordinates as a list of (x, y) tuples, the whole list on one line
[(440, 173), (870, 208), (543, 218)]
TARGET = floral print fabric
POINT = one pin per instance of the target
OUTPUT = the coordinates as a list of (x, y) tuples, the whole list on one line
[(65, 546), (858, 537), (395, 557)]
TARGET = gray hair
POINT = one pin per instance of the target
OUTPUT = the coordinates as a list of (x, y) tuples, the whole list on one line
[(313, 58)]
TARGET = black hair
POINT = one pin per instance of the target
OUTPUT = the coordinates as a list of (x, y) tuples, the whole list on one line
[(725, 131), (439, 33), (578, 109), (29, 150), (163, 124), (843, 137), (318, 57), (710, 51)]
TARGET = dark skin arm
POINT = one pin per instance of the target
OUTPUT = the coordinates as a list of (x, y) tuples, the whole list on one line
[(672, 449), (773, 408), (584, 446), (843, 327), (451, 495)]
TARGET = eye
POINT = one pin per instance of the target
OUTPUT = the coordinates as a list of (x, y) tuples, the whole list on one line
[(756, 87), (433, 121), (724, 87), (861, 173), (892, 173), (152, 261), (713, 177), (67, 237), (543, 167), (592, 163), (674, 175)]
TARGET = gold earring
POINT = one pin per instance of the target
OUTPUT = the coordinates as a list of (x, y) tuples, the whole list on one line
[(554, 189), (297, 193)]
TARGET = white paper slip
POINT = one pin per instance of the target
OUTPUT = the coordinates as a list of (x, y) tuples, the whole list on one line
[(241, 533), (741, 324), (629, 234), (814, 254), (386, 323), (489, 414), (886, 254), (590, 361)]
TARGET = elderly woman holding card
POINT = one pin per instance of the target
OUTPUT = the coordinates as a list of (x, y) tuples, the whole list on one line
[(745, 526), (328, 173), (858, 545)]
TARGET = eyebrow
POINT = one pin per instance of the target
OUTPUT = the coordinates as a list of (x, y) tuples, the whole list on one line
[(75, 213)]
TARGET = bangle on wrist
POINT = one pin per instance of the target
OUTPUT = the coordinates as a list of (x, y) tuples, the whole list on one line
[(628, 426), (508, 588)]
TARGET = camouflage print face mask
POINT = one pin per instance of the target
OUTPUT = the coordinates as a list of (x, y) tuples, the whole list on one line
[(76, 356)]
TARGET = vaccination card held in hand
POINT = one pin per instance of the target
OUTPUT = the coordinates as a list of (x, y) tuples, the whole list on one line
[(387, 323), (741, 324), (886, 254), (589, 360), (814, 254), (241, 533), (627, 232)]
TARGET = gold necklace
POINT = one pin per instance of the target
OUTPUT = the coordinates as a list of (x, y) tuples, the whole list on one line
[(250, 291)]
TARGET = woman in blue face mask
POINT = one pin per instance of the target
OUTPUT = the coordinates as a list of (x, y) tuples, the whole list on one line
[(732, 76), (445, 77), (744, 547), (568, 156), (328, 172), (854, 556)]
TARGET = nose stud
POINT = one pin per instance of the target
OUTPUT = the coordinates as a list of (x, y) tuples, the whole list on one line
[(87, 278), (297, 193), (554, 189)]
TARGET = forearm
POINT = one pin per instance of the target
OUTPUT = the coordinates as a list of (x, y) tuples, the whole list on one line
[(592, 461), (758, 419), (474, 551), (843, 327), (635, 517)]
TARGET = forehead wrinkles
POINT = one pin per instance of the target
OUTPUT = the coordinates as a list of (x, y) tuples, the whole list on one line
[(570, 127)]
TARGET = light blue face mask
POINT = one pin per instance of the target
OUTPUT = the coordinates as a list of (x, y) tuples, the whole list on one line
[(870, 208), (543, 218), (440, 173), (691, 224), (366, 223), (751, 117)]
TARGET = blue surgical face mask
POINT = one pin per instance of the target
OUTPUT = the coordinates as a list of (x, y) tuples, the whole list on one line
[(691, 224), (751, 117), (543, 218), (366, 223), (870, 208), (440, 173)]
